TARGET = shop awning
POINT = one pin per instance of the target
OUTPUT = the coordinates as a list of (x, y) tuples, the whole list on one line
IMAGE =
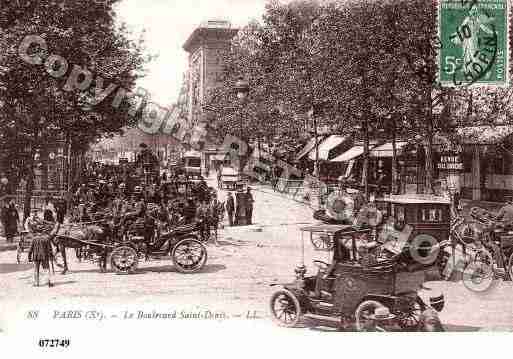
[(308, 147), (349, 154), (386, 150), (326, 146)]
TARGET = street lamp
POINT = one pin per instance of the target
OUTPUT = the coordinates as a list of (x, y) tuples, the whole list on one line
[(242, 90)]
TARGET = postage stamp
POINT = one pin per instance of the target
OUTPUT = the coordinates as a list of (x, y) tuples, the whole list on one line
[(474, 38)]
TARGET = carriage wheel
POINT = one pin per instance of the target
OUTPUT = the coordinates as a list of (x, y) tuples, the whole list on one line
[(124, 260), (285, 308), (189, 255), (363, 313), (322, 243)]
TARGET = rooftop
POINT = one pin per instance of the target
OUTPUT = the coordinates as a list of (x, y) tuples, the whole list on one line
[(216, 27)]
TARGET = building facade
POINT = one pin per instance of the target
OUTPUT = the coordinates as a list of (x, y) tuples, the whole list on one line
[(207, 47)]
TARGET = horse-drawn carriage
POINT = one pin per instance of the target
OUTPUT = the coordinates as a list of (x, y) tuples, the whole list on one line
[(182, 243), (119, 241), (354, 292)]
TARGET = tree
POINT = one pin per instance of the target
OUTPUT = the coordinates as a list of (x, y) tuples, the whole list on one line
[(56, 101)]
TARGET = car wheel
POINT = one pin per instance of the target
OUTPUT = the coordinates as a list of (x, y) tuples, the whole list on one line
[(285, 308), (362, 314)]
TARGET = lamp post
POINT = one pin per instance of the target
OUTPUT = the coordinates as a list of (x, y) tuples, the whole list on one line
[(242, 90), (312, 114)]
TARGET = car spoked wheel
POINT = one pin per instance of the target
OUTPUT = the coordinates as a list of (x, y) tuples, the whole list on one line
[(364, 315), (189, 255), (410, 320), (285, 308), (124, 260)]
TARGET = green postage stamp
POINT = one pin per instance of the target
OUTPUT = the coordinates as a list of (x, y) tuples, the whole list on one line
[(473, 42)]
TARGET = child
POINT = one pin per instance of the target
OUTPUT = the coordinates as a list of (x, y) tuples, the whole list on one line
[(40, 253)]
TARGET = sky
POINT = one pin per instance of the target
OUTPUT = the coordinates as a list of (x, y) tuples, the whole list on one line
[(168, 24)]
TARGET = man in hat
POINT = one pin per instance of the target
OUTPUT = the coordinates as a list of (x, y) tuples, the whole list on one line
[(230, 207), (249, 206)]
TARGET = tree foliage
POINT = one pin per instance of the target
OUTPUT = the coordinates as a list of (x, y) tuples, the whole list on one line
[(38, 108)]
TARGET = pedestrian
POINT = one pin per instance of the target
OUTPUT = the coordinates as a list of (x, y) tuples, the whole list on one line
[(40, 253), (4, 213), (202, 215), (49, 210), (249, 206), (12, 221), (230, 207), (60, 209)]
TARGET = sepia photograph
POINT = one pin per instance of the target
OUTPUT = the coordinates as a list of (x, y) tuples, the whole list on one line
[(234, 177)]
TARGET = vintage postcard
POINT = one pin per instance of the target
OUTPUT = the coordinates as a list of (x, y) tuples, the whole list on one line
[(253, 178)]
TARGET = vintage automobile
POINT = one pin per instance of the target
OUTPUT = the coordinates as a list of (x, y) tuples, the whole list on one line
[(352, 290), (229, 178), (424, 223)]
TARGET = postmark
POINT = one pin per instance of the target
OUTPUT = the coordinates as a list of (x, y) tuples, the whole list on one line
[(474, 35)]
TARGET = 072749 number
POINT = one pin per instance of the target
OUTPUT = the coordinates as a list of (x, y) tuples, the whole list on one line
[(54, 343)]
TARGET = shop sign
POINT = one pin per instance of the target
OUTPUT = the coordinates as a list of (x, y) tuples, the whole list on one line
[(450, 161)]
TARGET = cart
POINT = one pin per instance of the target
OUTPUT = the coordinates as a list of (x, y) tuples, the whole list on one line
[(351, 292)]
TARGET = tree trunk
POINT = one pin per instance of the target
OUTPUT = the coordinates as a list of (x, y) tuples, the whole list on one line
[(429, 170), (394, 159), (29, 187), (365, 172)]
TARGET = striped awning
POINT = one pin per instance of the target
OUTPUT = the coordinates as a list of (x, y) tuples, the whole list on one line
[(326, 147), (308, 147), (385, 150), (347, 156)]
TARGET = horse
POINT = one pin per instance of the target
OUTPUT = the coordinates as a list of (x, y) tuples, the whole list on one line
[(80, 235)]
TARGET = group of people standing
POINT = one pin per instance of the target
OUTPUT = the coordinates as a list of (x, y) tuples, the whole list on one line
[(242, 208), (10, 218)]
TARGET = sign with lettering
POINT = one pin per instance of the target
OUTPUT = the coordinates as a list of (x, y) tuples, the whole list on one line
[(450, 162)]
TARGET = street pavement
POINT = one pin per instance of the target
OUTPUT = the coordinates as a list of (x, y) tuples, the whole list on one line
[(237, 277)]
